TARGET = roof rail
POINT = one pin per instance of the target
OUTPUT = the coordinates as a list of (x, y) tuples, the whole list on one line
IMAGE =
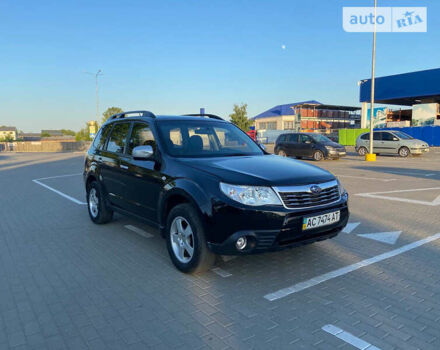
[(141, 114), (213, 116)]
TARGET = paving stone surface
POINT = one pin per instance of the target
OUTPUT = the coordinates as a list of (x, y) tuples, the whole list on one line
[(66, 283)]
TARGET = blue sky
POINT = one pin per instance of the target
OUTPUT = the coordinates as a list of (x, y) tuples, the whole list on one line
[(177, 56)]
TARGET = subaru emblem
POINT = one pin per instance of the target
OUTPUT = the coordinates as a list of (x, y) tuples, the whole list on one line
[(315, 189)]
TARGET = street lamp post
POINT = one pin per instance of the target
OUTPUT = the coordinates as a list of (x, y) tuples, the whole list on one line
[(370, 156), (97, 74)]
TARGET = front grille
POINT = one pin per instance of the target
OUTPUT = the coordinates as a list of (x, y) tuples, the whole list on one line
[(340, 149), (307, 199)]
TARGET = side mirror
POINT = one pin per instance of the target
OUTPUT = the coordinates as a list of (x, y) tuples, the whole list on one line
[(395, 139), (308, 141), (142, 152)]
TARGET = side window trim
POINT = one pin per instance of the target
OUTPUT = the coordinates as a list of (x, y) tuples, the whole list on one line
[(127, 141)]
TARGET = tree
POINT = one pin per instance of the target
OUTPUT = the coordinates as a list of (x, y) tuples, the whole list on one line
[(109, 112), (83, 134), (45, 134), (67, 132), (240, 118), (7, 138)]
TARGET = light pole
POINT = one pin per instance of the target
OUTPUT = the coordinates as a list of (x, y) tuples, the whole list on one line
[(370, 156), (97, 74)]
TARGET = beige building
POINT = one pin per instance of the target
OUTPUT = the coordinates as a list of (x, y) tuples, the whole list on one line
[(8, 132), (282, 122)]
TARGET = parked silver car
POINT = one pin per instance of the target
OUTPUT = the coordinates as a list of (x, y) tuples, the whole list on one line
[(391, 142)]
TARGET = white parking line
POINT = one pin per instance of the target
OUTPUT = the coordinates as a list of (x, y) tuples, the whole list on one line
[(221, 272), (379, 195), (59, 192), (139, 231), (55, 177), (350, 227), (349, 338), (344, 270), (366, 178)]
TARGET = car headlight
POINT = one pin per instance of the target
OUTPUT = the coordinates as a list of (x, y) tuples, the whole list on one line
[(330, 148), (250, 195), (342, 190)]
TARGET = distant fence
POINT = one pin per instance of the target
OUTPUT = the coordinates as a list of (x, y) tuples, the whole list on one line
[(429, 134), (347, 137), (44, 146)]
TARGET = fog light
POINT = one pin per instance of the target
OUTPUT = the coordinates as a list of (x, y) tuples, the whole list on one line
[(241, 243)]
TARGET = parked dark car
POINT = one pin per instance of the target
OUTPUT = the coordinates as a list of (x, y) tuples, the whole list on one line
[(308, 145), (208, 187)]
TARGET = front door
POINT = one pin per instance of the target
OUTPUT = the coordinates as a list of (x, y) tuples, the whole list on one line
[(143, 177), (389, 143), (306, 145)]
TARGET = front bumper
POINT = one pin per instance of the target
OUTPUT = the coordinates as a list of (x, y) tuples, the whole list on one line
[(268, 230), (419, 150), (336, 154)]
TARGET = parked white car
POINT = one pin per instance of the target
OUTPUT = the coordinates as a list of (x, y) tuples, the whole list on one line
[(391, 142)]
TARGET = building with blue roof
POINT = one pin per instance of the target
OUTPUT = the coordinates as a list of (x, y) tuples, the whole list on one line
[(307, 115)]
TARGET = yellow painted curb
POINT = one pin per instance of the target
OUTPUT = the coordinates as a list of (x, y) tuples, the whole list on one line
[(370, 157)]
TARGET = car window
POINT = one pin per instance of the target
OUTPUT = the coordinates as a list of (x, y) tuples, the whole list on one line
[(386, 136), (321, 138), (365, 136), (304, 138), (118, 138), (282, 138), (205, 139), (403, 136), (377, 136), (141, 135), (292, 138), (101, 138)]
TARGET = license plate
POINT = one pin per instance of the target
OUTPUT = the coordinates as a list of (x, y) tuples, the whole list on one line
[(342, 153), (321, 220)]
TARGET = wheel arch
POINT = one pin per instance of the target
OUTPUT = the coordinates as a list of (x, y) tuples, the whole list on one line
[(185, 192)]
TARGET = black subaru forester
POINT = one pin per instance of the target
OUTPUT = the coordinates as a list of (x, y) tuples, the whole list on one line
[(208, 187)]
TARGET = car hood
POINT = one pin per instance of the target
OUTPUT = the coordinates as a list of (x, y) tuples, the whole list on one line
[(265, 170), (332, 144), (416, 143)]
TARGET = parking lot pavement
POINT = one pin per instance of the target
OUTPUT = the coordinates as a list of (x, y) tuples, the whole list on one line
[(67, 283)]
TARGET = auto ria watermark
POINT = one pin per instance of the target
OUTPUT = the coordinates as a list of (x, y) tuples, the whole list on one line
[(388, 19)]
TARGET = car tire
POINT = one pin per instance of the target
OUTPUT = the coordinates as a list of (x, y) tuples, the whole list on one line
[(281, 153), (404, 152), (362, 151), (186, 242), (318, 156), (98, 209)]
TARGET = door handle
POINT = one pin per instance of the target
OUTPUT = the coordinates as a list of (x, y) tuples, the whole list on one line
[(100, 159), (123, 166)]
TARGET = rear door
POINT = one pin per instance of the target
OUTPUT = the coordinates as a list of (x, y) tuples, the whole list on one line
[(291, 145), (111, 170), (377, 142)]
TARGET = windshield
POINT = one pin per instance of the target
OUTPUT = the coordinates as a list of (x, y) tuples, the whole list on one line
[(320, 138), (205, 139), (402, 135)]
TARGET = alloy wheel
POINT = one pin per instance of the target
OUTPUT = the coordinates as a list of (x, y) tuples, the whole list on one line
[(93, 203), (182, 239)]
